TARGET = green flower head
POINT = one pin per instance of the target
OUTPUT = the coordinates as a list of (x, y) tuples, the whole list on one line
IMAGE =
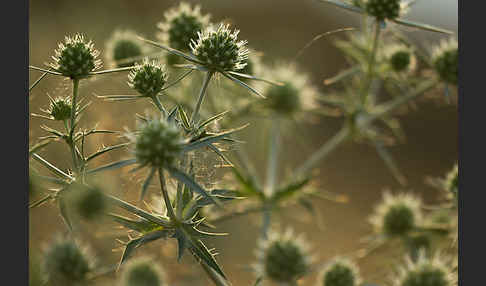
[(424, 272), (60, 108), (384, 9), (340, 272), (142, 272), (123, 48), (219, 49), (396, 215), (148, 78), (75, 57), (445, 60)]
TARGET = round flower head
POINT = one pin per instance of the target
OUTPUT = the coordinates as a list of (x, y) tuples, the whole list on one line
[(424, 272), (76, 58), (219, 48), (397, 214), (384, 9), (181, 24), (157, 143), (148, 78), (444, 59), (285, 257), (60, 108), (452, 180), (296, 94), (341, 272), (122, 47), (89, 201), (142, 272), (400, 58), (66, 263)]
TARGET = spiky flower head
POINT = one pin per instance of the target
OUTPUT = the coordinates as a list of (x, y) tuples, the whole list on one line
[(424, 271), (67, 262), (340, 272), (60, 108), (142, 272), (400, 57), (219, 48), (295, 94), (285, 257), (445, 61), (123, 47), (397, 215), (148, 78), (75, 57), (88, 201), (157, 143), (384, 9), (452, 180), (181, 24)]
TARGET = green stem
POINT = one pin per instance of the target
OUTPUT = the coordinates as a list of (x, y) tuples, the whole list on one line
[(157, 102), (325, 150), (71, 142), (267, 219), (273, 148), (202, 93), (215, 277), (371, 64), (165, 194)]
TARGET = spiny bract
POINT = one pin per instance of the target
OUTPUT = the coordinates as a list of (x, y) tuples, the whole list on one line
[(445, 60), (383, 9), (65, 262), (219, 49), (123, 47), (148, 78), (340, 272), (76, 58), (158, 143), (397, 214), (142, 272)]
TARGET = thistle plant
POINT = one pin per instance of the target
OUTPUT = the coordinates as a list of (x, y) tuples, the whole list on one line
[(174, 144)]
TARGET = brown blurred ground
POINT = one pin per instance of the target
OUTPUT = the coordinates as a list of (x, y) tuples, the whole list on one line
[(279, 29)]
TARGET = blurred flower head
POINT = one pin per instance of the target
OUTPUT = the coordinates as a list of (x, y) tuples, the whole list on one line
[(340, 272), (124, 49), (142, 272), (445, 60), (424, 271)]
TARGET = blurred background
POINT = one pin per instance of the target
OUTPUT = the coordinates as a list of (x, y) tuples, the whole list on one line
[(278, 29)]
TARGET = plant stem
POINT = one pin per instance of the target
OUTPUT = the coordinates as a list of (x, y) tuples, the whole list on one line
[(273, 148), (157, 102), (267, 217), (215, 277), (71, 142), (165, 194), (325, 149), (371, 64), (202, 93)]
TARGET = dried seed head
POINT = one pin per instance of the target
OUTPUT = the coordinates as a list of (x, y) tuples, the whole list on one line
[(340, 272), (158, 143), (383, 9), (66, 262), (142, 272), (219, 48), (285, 257), (60, 108), (122, 47), (396, 215), (76, 58), (148, 78), (444, 58), (424, 272), (181, 24), (296, 94)]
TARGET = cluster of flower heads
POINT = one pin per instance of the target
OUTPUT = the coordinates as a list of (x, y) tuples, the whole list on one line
[(284, 257), (445, 60), (142, 271), (295, 94), (181, 24), (76, 57), (425, 271), (148, 78), (218, 48), (124, 49), (340, 272), (66, 262), (397, 215), (157, 143)]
